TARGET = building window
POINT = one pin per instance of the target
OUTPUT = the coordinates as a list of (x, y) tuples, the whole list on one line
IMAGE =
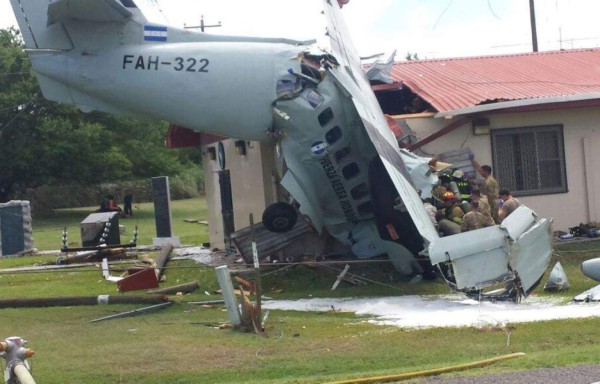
[(530, 160)]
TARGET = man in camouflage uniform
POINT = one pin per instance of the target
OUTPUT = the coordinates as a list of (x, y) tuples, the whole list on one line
[(484, 206), (489, 188), (509, 204), (475, 219)]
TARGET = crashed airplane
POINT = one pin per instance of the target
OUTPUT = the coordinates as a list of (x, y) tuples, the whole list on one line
[(345, 171)]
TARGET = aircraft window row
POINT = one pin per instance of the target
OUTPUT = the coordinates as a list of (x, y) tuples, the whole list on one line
[(325, 117), (351, 170), (314, 99), (342, 153), (333, 135), (360, 191), (365, 208)]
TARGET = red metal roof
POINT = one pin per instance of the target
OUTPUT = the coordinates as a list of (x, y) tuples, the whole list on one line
[(449, 84)]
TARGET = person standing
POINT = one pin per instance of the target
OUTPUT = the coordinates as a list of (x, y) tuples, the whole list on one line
[(509, 204), (127, 204), (489, 188)]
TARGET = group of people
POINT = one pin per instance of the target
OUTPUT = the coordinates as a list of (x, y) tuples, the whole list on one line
[(463, 205), (108, 204)]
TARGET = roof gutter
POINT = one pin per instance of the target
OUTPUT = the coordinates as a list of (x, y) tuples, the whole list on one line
[(518, 103)]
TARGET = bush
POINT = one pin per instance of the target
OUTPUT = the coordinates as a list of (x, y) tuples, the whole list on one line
[(43, 199)]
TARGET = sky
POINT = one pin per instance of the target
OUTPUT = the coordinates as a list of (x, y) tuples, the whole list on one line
[(429, 28)]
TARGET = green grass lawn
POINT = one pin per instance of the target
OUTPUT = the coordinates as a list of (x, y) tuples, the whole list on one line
[(182, 344), (48, 230)]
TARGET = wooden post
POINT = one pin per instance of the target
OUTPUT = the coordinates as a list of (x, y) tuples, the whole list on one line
[(258, 320)]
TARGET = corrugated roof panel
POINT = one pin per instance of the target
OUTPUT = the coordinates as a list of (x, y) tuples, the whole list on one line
[(449, 84)]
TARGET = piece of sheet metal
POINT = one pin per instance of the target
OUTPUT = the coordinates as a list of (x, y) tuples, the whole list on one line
[(557, 281)]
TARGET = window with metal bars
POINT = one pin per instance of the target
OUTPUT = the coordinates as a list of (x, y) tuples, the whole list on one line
[(530, 160)]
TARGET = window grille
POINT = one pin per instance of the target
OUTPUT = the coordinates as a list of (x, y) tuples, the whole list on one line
[(530, 160)]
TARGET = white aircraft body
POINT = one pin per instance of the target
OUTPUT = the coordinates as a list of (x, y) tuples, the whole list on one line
[(344, 166)]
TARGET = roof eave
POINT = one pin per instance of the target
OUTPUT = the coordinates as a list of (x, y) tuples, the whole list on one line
[(517, 104)]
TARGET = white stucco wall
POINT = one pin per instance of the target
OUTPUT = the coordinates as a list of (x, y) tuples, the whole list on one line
[(581, 129), (251, 184)]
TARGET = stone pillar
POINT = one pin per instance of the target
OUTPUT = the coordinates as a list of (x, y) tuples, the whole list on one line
[(15, 228), (162, 212)]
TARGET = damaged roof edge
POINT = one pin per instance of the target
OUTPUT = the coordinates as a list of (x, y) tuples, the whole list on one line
[(518, 103)]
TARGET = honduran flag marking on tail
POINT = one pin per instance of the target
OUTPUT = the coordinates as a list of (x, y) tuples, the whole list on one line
[(154, 33)]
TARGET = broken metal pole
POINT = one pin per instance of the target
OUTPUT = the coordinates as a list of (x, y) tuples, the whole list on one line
[(84, 300), (134, 312), (184, 288), (228, 295)]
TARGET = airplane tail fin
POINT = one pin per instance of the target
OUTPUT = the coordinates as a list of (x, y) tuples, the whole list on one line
[(52, 27), (43, 22), (32, 17)]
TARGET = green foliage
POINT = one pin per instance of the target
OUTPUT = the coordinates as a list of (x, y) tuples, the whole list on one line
[(43, 143)]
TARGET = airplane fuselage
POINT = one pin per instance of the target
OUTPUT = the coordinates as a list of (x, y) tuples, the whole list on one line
[(219, 88)]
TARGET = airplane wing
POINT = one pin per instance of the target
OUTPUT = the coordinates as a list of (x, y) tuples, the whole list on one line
[(351, 77), (525, 247)]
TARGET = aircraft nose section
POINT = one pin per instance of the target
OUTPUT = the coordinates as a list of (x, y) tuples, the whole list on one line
[(591, 268)]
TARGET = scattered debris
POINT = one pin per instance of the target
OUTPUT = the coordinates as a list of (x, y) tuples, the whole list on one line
[(138, 280), (267, 242), (94, 255), (340, 277), (197, 221), (135, 312), (251, 286), (558, 279)]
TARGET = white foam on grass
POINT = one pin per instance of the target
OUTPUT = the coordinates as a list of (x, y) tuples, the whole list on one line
[(443, 311)]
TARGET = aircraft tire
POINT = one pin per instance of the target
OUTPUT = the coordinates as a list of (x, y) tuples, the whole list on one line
[(279, 217)]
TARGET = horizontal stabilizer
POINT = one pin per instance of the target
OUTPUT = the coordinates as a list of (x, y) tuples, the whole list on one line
[(95, 11)]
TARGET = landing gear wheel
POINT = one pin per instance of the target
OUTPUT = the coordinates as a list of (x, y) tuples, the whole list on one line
[(279, 217)]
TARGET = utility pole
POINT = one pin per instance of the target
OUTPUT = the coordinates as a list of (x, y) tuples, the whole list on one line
[(202, 25), (533, 28)]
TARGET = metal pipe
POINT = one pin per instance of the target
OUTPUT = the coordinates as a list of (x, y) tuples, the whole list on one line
[(228, 295), (22, 373)]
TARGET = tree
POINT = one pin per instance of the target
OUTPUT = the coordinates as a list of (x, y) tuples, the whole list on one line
[(46, 143)]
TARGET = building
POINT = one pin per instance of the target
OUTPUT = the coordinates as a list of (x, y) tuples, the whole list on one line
[(533, 117)]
